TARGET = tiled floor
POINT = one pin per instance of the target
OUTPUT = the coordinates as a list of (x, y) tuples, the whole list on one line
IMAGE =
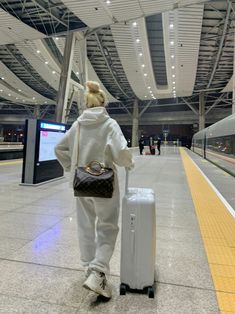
[(217, 224), (39, 254)]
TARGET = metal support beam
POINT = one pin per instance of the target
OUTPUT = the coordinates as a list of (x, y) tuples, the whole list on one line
[(135, 124), (125, 108), (217, 101), (10, 50), (221, 44), (69, 106), (145, 108), (62, 96), (201, 111), (191, 106), (108, 65), (50, 11)]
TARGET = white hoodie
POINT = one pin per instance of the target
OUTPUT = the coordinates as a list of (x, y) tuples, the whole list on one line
[(94, 136)]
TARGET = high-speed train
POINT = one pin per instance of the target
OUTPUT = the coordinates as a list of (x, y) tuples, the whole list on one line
[(217, 143)]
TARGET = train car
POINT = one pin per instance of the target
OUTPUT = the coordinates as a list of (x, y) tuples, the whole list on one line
[(198, 143), (218, 142)]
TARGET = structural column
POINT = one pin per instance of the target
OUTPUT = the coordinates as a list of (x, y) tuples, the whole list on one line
[(83, 72), (135, 124), (36, 112), (233, 104), (201, 111), (63, 92), (1, 133)]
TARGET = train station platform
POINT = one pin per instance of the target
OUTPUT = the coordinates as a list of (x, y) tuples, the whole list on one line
[(195, 242)]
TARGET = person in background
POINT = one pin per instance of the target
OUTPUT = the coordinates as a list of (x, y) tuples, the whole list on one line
[(95, 136), (141, 145), (159, 142)]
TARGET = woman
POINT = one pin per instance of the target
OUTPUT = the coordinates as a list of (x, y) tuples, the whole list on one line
[(95, 136)]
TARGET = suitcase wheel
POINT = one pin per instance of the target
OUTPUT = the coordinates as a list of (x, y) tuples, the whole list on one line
[(123, 289), (151, 292)]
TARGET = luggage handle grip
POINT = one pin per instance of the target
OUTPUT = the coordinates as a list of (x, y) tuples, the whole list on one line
[(127, 180)]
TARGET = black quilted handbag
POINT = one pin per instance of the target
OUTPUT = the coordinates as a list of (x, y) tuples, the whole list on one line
[(94, 180)]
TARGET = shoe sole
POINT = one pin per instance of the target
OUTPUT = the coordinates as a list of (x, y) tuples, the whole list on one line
[(97, 292)]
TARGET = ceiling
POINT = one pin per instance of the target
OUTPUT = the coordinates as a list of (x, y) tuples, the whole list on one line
[(163, 53)]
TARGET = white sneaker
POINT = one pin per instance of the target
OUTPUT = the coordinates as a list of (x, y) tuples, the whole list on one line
[(97, 282)]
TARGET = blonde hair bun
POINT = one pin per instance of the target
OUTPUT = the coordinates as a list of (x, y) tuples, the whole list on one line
[(94, 96), (93, 87)]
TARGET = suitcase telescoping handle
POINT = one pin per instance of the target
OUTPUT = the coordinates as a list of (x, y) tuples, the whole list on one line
[(127, 180)]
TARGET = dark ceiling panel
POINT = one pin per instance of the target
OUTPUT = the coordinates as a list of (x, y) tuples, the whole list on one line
[(156, 46), (49, 17)]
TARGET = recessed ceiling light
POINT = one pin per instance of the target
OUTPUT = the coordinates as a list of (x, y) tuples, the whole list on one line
[(140, 54), (3, 78), (149, 87), (174, 96), (145, 74), (57, 38), (143, 65), (9, 95), (174, 83), (38, 51), (33, 97), (19, 90), (173, 87), (172, 56), (46, 62), (173, 75), (45, 102), (1, 90), (108, 1), (77, 73), (137, 40), (172, 43), (145, 96), (134, 23), (171, 25), (53, 72), (16, 97), (173, 67), (150, 91), (23, 100)]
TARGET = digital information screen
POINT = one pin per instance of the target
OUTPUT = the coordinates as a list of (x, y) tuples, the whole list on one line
[(48, 141), (40, 163), (50, 135)]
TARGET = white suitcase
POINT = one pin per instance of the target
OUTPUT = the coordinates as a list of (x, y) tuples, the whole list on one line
[(138, 240)]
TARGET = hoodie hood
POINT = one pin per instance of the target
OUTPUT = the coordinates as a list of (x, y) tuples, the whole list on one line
[(94, 115)]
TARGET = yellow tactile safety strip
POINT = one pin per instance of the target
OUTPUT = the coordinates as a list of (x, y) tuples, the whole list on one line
[(4, 163), (217, 227)]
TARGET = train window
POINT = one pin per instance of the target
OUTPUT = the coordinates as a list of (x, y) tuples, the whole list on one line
[(224, 145), (198, 143)]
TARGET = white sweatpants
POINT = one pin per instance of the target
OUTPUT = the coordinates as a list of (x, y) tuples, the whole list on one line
[(97, 220)]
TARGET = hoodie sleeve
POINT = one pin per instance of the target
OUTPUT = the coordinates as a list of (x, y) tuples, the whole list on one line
[(62, 151), (122, 156)]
